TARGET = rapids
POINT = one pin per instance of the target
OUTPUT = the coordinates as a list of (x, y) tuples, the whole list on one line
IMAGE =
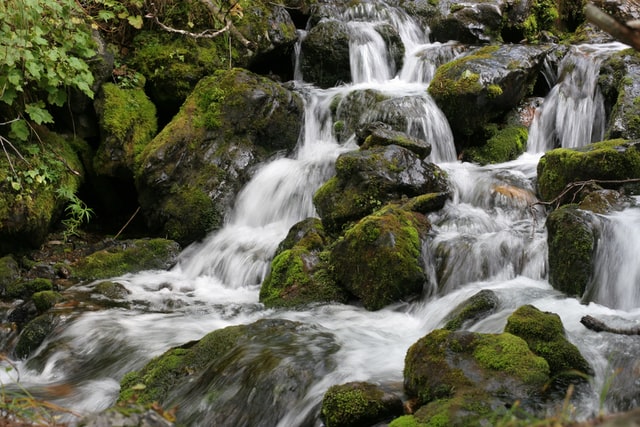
[(484, 238)]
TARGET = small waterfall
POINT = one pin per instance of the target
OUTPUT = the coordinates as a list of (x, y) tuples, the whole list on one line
[(616, 279), (368, 54), (572, 114)]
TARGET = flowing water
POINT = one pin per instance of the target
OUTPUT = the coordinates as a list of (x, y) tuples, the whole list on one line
[(486, 237)]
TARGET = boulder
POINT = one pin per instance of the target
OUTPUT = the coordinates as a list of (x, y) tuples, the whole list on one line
[(624, 119), (367, 179), (33, 195), (299, 272), (479, 306), (358, 404), (484, 85), (379, 260), (325, 54), (545, 336), (572, 236), (191, 172), (460, 378), (471, 22), (212, 379), (614, 160)]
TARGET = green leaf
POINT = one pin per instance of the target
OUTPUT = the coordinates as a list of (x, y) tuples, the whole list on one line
[(16, 185), (135, 21), (38, 113), (106, 15), (19, 130)]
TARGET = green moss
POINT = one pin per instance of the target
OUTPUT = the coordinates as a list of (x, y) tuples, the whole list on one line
[(345, 406), (131, 257), (477, 307), (33, 335), (503, 145), (191, 214), (607, 160), (9, 272), (510, 354), (406, 421), (44, 300), (494, 91), (26, 288), (544, 334)]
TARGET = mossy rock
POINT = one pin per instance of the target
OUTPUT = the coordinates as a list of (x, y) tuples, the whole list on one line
[(111, 290), (33, 334), (9, 272), (358, 404), (483, 86), (26, 288), (624, 119), (444, 364), (128, 122), (368, 179), (298, 277), (608, 160), (211, 380), (234, 120), (545, 336), (127, 257), (479, 306), (308, 234), (29, 202), (379, 260), (325, 61), (383, 137), (502, 146), (44, 300), (571, 238)]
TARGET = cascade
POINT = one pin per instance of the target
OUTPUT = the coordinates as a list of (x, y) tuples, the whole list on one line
[(572, 114), (486, 237)]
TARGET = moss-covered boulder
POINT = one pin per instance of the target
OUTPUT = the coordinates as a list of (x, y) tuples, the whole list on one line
[(211, 380), (325, 54), (33, 334), (357, 404), (191, 172), (27, 287), (624, 121), (367, 179), (173, 64), (473, 22), (381, 136), (444, 369), (379, 260), (127, 256), (484, 85), (502, 145), (479, 306), (31, 194), (571, 238), (612, 160), (300, 272), (128, 122), (545, 336), (44, 300)]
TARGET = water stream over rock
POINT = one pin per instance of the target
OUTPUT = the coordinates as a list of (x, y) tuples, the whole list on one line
[(486, 237)]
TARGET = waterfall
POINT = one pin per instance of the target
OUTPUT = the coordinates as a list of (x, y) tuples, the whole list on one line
[(487, 236), (616, 268), (572, 114)]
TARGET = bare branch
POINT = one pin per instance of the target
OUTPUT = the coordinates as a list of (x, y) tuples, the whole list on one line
[(209, 34), (579, 185), (620, 31)]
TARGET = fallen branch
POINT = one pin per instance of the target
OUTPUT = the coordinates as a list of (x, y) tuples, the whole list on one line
[(555, 202), (599, 326), (623, 32)]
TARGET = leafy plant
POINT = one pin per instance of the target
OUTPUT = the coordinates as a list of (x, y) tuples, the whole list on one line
[(44, 47), (77, 212)]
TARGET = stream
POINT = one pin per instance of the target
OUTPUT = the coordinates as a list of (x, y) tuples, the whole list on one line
[(486, 237)]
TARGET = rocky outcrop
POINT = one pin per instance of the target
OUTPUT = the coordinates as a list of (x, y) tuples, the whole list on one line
[(211, 380), (367, 179), (623, 89), (191, 172), (484, 85)]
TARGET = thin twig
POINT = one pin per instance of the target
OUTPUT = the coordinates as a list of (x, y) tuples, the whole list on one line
[(208, 34), (580, 185), (125, 226)]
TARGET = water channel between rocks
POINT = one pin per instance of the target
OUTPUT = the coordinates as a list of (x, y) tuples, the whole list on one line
[(492, 241)]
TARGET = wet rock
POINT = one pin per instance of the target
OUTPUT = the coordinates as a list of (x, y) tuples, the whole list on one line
[(379, 259), (624, 121), (26, 288), (300, 273), (462, 377), (572, 236), (9, 273), (384, 137), (192, 171), (503, 144), (269, 363), (44, 300), (484, 85), (129, 416), (614, 160), (476, 308), (472, 22), (127, 256), (367, 179), (358, 404), (33, 334), (325, 54), (545, 336)]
